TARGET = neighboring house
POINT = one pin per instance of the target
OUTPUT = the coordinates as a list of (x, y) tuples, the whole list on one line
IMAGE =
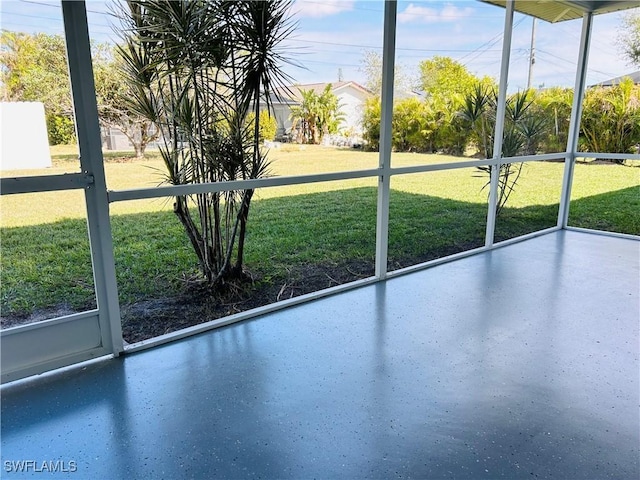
[(114, 139), (634, 76), (351, 98)]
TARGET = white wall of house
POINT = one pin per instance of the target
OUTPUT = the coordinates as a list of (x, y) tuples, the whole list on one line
[(114, 139), (351, 101), (23, 130)]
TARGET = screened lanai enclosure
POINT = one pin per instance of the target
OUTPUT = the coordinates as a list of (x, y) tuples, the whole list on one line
[(514, 357)]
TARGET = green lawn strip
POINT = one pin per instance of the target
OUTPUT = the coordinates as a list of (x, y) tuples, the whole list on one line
[(540, 183), (48, 265), (320, 227), (423, 227), (153, 255), (613, 211)]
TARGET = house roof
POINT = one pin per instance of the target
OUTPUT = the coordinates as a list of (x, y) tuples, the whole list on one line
[(560, 10), (634, 76)]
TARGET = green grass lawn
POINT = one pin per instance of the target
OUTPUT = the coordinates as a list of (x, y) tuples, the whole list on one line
[(45, 254)]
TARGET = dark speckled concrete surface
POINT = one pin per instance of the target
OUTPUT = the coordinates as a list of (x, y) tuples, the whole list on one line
[(519, 363)]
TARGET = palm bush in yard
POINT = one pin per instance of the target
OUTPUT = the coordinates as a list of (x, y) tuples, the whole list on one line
[(200, 71), (523, 131), (316, 115), (611, 119), (555, 104)]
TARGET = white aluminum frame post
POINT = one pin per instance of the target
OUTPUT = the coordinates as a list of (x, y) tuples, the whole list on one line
[(574, 124), (386, 117), (499, 129), (90, 145)]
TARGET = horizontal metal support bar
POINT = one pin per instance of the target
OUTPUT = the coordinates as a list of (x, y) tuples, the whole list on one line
[(74, 360), (48, 323), (436, 262), (42, 346), (467, 253), (608, 156), (527, 236), (441, 166), (628, 236), (45, 183), (191, 189), (534, 158)]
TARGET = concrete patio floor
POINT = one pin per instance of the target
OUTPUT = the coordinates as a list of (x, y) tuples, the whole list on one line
[(521, 362)]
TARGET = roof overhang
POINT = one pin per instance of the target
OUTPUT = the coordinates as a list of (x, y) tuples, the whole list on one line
[(560, 10)]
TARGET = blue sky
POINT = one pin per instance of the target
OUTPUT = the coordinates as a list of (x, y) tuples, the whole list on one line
[(332, 36)]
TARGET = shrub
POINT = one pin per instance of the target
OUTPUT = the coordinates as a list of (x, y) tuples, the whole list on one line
[(554, 104), (451, 133), (268, 125), (611, 119), (412, 126), (61, 130), (371, 124)]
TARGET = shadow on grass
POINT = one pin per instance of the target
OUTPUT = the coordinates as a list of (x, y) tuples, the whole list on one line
[(612, 211), (295, 245)]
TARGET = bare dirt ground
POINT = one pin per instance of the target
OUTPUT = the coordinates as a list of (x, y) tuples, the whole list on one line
[(196, 304)]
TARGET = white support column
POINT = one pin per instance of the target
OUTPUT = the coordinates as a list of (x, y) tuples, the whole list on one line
[(574, 125), (499, 130), (91, 161), (386, 115)]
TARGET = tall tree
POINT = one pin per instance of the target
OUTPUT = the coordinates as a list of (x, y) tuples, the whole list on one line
[(444, 77), (630, 37), (371, 67), (33, 68), (114, 94), (447, 83)]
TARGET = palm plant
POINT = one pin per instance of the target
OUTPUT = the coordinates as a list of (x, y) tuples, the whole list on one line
[(304, 116), (316, 114), (522, 131), (329, 112), (478, 110), (198, 69)]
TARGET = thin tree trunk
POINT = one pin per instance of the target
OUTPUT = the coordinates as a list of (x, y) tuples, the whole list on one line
[(243, 216)]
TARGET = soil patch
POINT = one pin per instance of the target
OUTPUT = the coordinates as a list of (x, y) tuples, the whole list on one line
[(150, 318)]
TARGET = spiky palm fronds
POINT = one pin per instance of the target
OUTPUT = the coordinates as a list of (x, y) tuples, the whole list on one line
[(521, 134), (200, 67)]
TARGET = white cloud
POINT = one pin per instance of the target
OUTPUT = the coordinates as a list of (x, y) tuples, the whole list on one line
[(322, 8), (448, 13)]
